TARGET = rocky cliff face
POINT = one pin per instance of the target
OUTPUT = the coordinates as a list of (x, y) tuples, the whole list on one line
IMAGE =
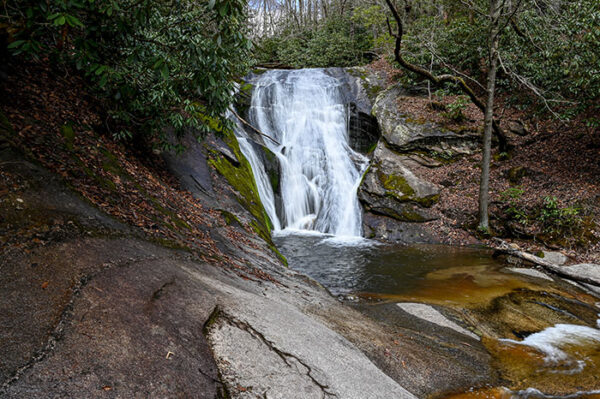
[(396, 200)]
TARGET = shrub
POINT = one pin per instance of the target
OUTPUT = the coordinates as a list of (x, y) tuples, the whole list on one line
[(162, 63), (454, 110), (512, 208), (556, 220)]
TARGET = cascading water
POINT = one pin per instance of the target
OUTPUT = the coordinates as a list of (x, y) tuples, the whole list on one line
[(265, 191), (303, 110)]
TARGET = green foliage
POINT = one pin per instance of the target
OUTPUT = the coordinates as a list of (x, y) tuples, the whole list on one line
[(336, 42), (456, 108), (511, 198), (549, 50), (562, 52), (163, 64), (548, 221), (556, 220)]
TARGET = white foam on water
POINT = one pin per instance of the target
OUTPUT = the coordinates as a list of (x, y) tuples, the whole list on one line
[(552, 341), (533, 393)]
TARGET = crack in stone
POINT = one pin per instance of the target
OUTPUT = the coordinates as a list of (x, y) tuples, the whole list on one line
[(282, 354), (65, 317)]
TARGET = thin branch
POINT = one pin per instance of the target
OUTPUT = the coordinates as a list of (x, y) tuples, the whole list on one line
[(245, 122), (441, 79), (538, 92)]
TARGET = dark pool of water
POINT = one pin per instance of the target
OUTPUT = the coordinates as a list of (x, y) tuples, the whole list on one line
[(368, 267)]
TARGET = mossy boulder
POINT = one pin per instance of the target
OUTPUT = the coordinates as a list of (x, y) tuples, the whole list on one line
[(389, 188)]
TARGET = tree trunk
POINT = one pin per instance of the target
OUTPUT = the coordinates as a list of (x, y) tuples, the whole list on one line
[(494, 38)]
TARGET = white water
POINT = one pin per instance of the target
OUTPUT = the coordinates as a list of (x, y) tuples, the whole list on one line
[(552, 341), (320, 173), (260, 175)]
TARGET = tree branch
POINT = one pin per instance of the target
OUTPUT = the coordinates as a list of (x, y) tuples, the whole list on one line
[(440, 79), (245, 122)]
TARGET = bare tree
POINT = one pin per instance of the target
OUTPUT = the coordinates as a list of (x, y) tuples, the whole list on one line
[(498, 15)]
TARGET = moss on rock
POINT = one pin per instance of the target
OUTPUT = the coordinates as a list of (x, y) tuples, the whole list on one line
[(68, 134), (241, 178)]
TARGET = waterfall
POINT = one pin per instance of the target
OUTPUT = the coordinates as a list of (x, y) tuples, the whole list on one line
[(304, 111)]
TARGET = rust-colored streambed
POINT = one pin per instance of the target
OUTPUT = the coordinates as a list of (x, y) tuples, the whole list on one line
[(542, 333)]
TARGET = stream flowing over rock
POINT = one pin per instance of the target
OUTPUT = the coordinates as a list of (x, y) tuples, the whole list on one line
[(127, 317), (305, 115), (95, 308)]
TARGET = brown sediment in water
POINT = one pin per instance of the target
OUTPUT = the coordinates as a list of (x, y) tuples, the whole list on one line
[(499, 305), (526, 367), (504, 393), (463, 286), (483, 393)]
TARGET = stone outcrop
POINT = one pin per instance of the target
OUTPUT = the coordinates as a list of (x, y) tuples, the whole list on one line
[(389, 188), (360, 88), (404, 135), (108, 313)]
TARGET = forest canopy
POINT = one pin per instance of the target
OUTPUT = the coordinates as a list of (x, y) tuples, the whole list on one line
[(548, 53), (173, 63)]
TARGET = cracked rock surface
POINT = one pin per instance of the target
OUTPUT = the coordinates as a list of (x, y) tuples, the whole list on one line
[(96, 311)]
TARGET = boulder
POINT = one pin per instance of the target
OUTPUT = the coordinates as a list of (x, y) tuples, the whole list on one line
[(404, 135), (588, 272), (554, 257), (389, 188)]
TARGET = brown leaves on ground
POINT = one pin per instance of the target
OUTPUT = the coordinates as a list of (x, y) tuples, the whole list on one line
[(57, 122), (560, 159)]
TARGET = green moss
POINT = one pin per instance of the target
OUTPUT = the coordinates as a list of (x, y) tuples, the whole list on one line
[(373, 91), (243, 98), (420, 121), (242, 180), (230, 218), (427, 201), (397, 185), (68, 134), (259, 71), (360, 73), (516, 174), (409, 215), (372, 147), (406, 215), (214, 124), (502, 156)]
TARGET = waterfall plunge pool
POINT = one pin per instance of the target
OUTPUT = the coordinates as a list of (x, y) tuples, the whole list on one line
[(542, 333)]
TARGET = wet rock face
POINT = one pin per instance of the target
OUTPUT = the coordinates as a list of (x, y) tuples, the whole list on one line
[(360, 87), (363, 130)]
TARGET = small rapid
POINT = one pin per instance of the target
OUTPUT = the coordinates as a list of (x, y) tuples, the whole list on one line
[(303, 110)]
